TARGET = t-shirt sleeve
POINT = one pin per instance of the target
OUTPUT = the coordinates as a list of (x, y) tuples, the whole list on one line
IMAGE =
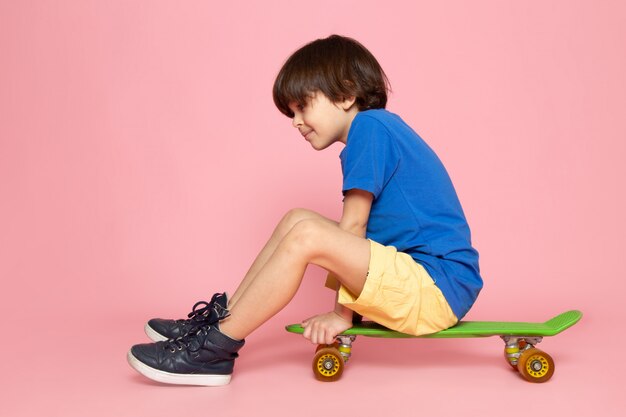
[(370, 157)]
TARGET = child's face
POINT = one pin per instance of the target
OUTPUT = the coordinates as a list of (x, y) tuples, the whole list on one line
[(323, 122)]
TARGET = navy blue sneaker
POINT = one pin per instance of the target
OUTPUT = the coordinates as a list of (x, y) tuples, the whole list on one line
[(203, 357), (201, 314)]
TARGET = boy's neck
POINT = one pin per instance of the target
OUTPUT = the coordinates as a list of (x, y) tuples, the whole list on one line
[(350, 115)]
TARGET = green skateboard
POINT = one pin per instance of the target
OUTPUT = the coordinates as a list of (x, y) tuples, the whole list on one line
[(519, 338)]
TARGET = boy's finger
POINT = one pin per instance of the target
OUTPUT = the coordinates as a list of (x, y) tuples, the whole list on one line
[(318, 338)]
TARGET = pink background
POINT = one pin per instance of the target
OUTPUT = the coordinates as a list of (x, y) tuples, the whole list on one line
[(143, 165)]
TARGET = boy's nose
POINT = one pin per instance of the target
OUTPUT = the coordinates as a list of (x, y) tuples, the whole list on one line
[(296, 121)]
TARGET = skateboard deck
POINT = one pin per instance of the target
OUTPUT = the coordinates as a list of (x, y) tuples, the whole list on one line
[(520, 339), (463, 329)]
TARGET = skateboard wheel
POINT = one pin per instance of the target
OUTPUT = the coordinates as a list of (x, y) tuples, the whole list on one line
[(535, 365), (328, 364), (320, 347)]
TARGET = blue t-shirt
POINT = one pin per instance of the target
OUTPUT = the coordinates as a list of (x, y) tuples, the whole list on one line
[(415, 207)]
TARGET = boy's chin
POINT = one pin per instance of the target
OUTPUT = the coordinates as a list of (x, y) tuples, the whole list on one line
[(321, 147)]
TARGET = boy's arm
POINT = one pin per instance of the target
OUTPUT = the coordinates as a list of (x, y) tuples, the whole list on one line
[(356, 212)]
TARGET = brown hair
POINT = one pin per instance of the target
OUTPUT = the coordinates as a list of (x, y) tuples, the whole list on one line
[(337, 66)]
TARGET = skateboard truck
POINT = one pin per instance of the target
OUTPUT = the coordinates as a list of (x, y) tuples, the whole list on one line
[(515, 345), (344, 345)]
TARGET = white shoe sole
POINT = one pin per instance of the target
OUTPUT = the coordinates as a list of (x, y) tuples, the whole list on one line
[(177, 379), (153, 334)]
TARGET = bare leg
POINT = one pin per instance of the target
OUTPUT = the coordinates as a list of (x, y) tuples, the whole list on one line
[(284, 226), (315, 241)]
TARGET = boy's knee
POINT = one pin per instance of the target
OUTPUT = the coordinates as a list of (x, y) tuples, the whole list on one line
[(306, 235), (294, 216)]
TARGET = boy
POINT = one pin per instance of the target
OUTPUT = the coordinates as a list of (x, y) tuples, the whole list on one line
[(400, 255)]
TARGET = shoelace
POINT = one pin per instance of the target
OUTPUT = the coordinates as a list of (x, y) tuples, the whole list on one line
[(203, 319), (203, 314), (198, 314), (183, 342)]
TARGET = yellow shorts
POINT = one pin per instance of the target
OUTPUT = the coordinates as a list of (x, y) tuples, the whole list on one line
[(399, 294)]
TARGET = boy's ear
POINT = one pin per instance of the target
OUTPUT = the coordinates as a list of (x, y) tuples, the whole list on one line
[(347, 103)]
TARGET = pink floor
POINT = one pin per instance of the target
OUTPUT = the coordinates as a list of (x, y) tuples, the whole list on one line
[(56, 373)]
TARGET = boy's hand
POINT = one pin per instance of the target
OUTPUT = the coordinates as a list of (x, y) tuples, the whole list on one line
[(323, 329)]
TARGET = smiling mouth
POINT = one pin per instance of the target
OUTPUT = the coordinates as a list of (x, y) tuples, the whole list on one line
[(306, 134)]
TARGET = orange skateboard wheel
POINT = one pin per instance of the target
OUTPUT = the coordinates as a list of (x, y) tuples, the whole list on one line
[(328, 364), (535, 365)]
